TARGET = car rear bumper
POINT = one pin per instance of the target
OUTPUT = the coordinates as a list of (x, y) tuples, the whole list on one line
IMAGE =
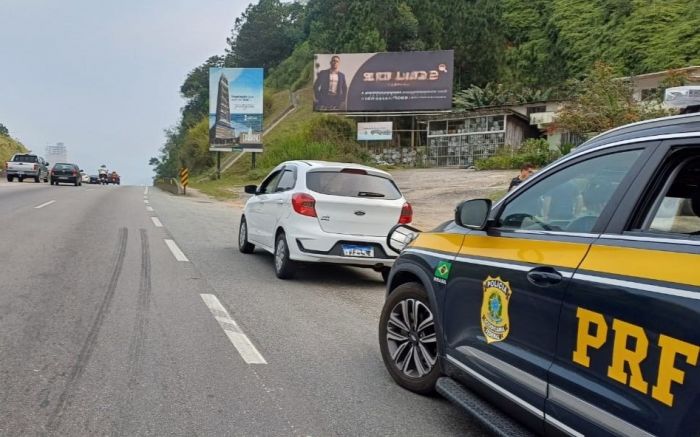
[(317, 246), (23, 173)]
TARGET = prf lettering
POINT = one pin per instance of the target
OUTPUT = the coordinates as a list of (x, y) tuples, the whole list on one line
[(593, 333)]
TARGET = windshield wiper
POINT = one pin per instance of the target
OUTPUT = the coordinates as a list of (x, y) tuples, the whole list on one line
[(369, 194)]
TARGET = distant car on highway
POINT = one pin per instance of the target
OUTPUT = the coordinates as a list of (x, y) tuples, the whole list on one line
[(27, 165), (94, 179), (84, 178), (114, 178), (311, 211), (66, 173)]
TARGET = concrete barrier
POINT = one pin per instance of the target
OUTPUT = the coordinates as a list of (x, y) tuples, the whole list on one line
[(170, 185)]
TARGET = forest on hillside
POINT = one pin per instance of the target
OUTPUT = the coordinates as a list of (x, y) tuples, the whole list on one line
[(532, 45)]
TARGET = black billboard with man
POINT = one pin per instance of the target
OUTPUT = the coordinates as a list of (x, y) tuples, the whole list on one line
[(330, 88)]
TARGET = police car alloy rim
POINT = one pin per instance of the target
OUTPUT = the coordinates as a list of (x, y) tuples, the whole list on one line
[(411, 339)]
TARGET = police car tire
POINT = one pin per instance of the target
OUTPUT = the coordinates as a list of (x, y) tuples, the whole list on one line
[(424, 385)]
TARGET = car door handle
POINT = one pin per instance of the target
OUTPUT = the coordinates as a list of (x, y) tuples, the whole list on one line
[(544, 276), (279, 202)]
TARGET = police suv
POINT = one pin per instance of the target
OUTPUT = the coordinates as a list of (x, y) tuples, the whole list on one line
[(572, 304)]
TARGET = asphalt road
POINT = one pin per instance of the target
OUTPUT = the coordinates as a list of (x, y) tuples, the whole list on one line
[(108, 328)]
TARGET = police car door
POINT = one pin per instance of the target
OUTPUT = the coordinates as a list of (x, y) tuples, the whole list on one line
[(507, 285), (627, 356)]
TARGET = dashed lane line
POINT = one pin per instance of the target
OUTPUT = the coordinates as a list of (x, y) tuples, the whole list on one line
[(177, 253), (156, 222), (240, 341), (149, 209), (45, 204), (145, 191), (145, 201)]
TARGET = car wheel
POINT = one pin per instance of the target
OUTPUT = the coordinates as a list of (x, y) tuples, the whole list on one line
[(20, 179), (37, 179), (243, 245), (10, 178), (408, 339), (284, 267)]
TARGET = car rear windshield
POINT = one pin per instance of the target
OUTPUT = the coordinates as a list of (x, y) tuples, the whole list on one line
[(63, 166), (24, 158), (351, 184)]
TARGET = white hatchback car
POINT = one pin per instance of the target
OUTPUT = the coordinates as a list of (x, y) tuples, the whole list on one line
[(312, 211)]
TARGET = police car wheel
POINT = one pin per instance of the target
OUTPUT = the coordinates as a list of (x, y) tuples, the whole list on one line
[(408, 340)]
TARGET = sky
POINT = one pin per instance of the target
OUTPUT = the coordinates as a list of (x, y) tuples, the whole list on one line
[(104, 77)]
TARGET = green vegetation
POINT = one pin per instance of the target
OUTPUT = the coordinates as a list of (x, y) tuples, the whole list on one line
[(8, 145), (506, 51), (534, 151)]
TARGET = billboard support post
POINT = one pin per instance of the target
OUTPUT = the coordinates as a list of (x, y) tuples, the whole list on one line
[(218, 165), (252, 159)]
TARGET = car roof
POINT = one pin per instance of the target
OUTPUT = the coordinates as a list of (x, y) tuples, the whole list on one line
[(330, 164), (677, 124)]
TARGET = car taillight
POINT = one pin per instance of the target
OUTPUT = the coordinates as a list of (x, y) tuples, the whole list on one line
[(74, 173), (406, 214), (36, 167), (53, 172), (304, 204)]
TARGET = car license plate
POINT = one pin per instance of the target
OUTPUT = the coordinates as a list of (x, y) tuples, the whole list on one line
[(358, 251), (63, 178)]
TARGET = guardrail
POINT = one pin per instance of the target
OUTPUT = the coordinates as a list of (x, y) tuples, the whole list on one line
[(170, 185)]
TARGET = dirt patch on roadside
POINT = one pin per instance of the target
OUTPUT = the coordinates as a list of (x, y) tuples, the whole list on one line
[(434, 193)]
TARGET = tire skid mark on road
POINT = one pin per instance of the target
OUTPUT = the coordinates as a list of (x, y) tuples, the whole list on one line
[(138, 338), (86, 351)]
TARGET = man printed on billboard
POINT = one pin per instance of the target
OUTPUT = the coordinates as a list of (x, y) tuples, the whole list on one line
[(330, 88)]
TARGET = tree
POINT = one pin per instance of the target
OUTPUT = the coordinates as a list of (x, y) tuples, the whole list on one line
[(603, 102), (265, 34), (4, 131)]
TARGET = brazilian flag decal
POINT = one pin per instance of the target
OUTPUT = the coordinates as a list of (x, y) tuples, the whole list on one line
[(442, 270)]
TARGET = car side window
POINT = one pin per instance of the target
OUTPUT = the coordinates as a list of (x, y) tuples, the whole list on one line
[(288, 180), (570, 200), (676, 206), (270, 183)]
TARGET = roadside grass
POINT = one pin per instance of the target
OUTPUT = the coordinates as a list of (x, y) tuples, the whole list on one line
[(280, 102), (9, 147)]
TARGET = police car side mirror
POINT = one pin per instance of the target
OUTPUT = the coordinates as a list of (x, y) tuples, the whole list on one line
[(251, 189), (473, 214)]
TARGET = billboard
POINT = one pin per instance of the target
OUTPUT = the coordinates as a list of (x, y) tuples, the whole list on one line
[(235, 109), (393, 81), (376, 131)]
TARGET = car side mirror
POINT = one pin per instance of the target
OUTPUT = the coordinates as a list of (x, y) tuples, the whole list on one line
[(47, 164), (251, 189), (473, 214), (401, 236)]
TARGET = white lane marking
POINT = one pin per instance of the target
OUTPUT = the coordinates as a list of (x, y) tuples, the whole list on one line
[(156, 222), (90, 189), (145, 201), (145, 191), (149, 209), (234, 333), (177, 253), (45, 204)]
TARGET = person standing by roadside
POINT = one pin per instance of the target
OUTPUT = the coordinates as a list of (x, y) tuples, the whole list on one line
[(526, 170)]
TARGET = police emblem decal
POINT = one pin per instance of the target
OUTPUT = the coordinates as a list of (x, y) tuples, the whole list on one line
[(494, 309)]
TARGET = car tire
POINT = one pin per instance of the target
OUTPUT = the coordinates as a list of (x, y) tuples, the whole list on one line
[(10, 178), (385, 274), (37, 179), (408, 340), (20, 179), (284, 267), (243, 245)]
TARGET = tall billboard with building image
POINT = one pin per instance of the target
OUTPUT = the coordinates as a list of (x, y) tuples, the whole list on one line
[(235, 109)]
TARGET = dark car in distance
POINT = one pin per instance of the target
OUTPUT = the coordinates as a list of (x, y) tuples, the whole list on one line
[(66, 173), (94, 179)]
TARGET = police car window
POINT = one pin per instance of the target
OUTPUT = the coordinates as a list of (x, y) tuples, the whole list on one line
[(572, 199), (677, 208), (287, 181)]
